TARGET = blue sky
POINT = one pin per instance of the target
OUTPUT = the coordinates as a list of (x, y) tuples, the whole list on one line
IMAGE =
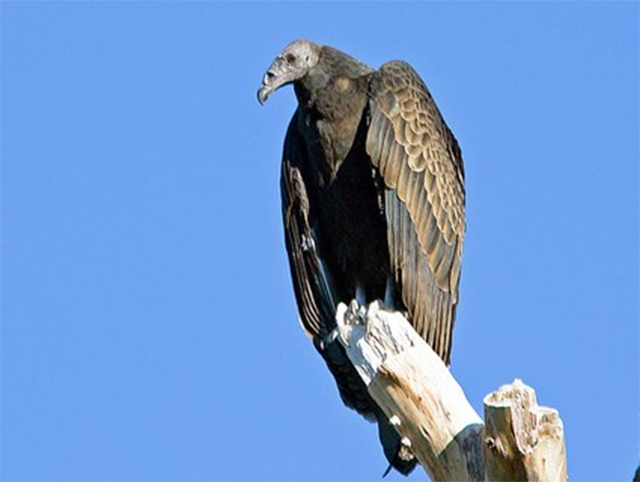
[(148, 323)]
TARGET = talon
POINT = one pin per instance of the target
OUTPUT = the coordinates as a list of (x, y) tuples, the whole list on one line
[(373, 308), (330, 338)]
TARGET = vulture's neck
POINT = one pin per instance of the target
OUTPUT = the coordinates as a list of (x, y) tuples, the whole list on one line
[(333, 97), (336, 80)]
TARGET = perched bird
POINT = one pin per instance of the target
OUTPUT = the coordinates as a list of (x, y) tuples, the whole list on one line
[(373, 205)]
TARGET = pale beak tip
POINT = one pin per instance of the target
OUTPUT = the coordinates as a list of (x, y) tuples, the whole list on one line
[(263, 95)]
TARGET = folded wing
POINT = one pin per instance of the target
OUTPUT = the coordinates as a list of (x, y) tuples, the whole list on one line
[(421, 165)]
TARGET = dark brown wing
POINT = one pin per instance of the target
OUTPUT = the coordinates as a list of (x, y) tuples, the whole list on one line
[(314, 296), (312, 283), (421, 165)]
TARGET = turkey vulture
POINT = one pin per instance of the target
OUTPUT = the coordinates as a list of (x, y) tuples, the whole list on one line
[(373, 200)]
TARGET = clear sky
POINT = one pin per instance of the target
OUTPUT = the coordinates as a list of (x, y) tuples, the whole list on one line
[(149, 328)]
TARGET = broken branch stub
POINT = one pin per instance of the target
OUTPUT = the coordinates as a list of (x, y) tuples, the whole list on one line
[(523, 441)]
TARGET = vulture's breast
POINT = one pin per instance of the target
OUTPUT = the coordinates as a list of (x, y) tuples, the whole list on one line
[(348, 198)]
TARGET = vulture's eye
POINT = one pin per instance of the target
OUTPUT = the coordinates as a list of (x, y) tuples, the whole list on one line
[(290, 58)]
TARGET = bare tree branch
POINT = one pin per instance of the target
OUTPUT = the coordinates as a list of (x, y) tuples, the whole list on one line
[(416, 390)]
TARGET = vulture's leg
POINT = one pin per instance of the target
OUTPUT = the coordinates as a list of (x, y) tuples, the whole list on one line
[(389, 293), (361, 295)]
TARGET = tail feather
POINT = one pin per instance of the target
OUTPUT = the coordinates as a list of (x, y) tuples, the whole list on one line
[(354, 395)]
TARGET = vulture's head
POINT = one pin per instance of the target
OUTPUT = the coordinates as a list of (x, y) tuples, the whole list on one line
[(293, 63)]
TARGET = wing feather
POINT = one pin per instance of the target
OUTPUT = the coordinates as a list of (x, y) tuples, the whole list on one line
[(311, 284), (421, 165)]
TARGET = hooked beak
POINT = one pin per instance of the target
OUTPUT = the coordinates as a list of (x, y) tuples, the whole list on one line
[(266, 89), (279, 74)]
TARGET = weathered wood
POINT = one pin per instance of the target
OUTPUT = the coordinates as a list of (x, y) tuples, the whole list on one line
[(415, 389), (523, 441), (411, 384)]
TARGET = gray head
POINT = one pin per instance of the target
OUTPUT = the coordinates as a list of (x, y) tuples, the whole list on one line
[(293, 63)]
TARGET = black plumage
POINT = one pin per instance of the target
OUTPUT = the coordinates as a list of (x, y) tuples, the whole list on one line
[(373, 205)]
